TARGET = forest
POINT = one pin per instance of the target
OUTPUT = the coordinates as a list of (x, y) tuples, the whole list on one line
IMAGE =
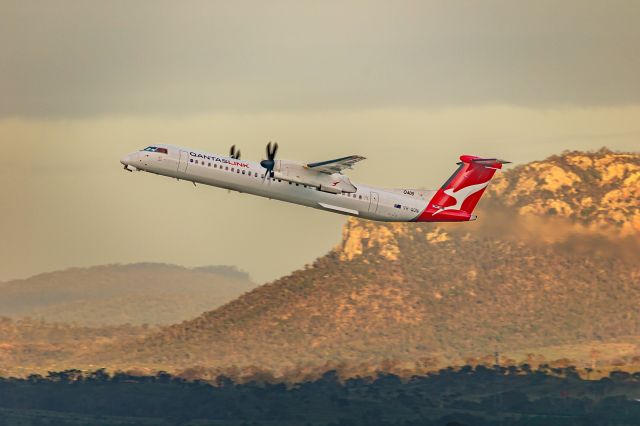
[(470, 395)]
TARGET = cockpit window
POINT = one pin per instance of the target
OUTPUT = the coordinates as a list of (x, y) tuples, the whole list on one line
[(156, 149)]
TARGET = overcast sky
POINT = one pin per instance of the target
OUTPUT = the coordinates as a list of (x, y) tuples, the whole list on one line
[(410, 85), (81, 58)]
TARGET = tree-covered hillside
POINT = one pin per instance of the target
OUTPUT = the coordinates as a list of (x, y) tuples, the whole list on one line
[(513, 280)]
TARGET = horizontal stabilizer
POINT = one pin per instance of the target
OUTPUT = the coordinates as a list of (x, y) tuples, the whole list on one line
[(490, 162), (487, 162)]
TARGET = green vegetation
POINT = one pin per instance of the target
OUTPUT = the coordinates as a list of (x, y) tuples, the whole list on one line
[(479, 396)]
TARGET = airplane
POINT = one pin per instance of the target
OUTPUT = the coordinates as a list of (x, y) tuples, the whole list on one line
[(322, 185)]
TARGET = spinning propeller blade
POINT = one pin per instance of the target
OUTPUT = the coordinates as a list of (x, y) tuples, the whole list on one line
[(233, 153), (270, 162)]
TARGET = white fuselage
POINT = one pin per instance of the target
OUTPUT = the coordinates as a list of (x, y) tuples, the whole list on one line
[(391, 205)]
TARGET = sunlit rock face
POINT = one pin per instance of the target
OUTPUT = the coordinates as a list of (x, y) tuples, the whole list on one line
[(358, 235), (595, 189)]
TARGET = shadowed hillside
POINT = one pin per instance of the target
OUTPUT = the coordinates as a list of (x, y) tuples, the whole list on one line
[(117, 294), (480, 396), (522, 276)]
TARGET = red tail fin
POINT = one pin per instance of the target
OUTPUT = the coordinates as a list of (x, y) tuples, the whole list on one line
[(456, 199)]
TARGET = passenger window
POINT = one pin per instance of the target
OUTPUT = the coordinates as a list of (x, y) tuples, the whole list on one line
[(232, 169), (361, 197), (209, 164), (243, 172), (191, 160), (226, 168)]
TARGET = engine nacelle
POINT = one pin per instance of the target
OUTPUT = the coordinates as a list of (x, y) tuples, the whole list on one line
[(298, 173)]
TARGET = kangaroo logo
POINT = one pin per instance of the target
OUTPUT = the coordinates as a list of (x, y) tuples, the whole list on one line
[(461, 195)]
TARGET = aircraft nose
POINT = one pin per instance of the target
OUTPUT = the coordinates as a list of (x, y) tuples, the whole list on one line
[(128, 159)]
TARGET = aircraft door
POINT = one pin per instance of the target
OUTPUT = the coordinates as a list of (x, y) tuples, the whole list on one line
[(184, 161), (373, 202)]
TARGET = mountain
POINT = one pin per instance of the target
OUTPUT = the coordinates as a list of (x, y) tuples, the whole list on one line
[(553, 260), (597, 189), (150, 293)]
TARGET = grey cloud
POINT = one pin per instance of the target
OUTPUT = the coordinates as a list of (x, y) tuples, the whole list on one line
[(76, 58)]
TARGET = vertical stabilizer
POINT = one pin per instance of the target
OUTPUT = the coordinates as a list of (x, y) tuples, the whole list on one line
[(456, 199)]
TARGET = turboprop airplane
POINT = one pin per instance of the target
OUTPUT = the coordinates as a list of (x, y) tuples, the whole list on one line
[(322, 185)]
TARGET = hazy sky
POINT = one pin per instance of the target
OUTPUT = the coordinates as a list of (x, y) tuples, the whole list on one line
[(410, 85)]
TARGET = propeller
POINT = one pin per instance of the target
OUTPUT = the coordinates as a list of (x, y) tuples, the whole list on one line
[(233, 153), (270, 163)]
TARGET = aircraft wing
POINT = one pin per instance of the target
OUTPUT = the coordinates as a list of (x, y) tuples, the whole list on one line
[(335, 166)]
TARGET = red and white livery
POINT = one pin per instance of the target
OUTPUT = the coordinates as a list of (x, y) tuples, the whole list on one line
[(322, 185)]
